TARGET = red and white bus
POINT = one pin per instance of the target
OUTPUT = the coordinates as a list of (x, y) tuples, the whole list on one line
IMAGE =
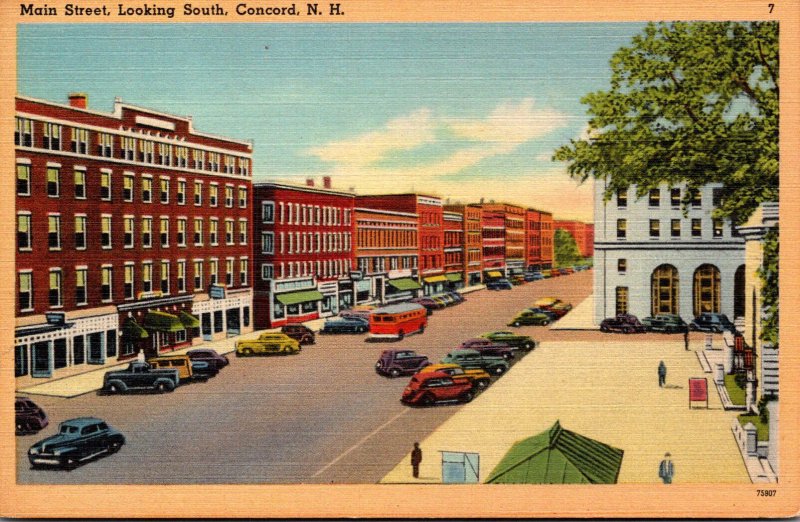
[(397, 320)]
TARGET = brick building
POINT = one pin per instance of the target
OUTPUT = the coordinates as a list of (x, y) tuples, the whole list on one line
[(303, 249), (454, 249), (493, 239), (472, 246), (538, 239), (513, 235), (583, 234), (133, 233)]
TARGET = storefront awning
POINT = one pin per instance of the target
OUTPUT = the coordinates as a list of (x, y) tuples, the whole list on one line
[(453, 277), (162, 322), (133, 331), (435, 279), (188, 320), (303, 296), (404, 283), (494, 273)]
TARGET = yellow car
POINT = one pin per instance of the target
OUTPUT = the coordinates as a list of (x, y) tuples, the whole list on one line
[(545, 302), (267, 344), (478, 377)]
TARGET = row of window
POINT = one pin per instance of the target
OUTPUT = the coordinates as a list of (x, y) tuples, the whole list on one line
[(379, 264), (302, 214), (430, 262), (129, 148), (153, 277), (675, 197), (55, 186), (674, 229), (54, 231), (383, 237), (321, 269), (305, 242)]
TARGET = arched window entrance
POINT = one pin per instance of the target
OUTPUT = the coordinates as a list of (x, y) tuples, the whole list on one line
[(706, 289), (738, 292), (664, 290)]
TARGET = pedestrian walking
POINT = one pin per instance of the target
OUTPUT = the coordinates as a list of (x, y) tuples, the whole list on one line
[(686, 337), (662, 374), (416, 459), (666, 470), (140, 356)]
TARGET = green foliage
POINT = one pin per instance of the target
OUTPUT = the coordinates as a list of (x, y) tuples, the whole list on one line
[(566, 249), (763, 411), (690, 102), (735, 392), (768, 272)]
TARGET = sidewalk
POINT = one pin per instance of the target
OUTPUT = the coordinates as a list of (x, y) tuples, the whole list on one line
[(581, 317)]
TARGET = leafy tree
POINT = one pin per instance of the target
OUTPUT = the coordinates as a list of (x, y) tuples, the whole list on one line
[(566, 249), (690, 102), (769, 291)]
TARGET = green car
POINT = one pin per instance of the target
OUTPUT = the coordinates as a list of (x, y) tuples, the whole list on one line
[(529, 317), (523, 342)]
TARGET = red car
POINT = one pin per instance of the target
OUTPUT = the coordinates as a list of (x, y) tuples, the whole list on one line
[(488, 347), (428, 388)]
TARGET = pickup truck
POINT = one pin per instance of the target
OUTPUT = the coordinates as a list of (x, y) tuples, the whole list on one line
[(268, 343), (140, 376)]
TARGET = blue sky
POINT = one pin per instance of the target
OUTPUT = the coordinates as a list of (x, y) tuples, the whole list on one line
[(459, 110)]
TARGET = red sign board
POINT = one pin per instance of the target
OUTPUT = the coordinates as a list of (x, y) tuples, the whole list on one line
[(698, 390)]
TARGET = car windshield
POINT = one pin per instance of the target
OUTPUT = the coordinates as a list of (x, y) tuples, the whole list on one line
[(67, 428)]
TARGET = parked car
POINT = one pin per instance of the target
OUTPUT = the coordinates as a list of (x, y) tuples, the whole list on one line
[(208, 355), (345, 325), (624, 323), (268, 344), (553, 304), (479, 378), (549, 313), (28, 417), (443, 303), (188, 370), (457, 297), (533, 276), (528, 317), (712, 322), (395, 363), (141, 376), (499, 284), (517, 280), (78, 440), (469, 359), (547, 273), (426, 389), (360, 311), (667, 323), (523, 342), (489, 347), (429, 304), (299, 332)]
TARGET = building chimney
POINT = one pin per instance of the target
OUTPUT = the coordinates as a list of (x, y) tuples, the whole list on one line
[(326, 182), (309, 182), (78, 99)]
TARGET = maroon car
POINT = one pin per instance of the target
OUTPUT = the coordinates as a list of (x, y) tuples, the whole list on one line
[(625, 323), (208, 355), (395, 363), (299, 332), (425, 389), (488, 347), (29, 418)]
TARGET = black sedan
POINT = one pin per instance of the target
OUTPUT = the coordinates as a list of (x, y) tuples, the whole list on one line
[(77, 441), (345, 325)]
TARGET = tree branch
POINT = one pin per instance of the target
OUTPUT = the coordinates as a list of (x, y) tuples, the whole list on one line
[(685, 106), (765, 63)]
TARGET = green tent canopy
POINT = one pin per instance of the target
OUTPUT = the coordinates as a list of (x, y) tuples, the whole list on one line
[(405, 283), (188, 320), (303, 296), (162, 322), (132, 331), (453, 277), (558, 456)]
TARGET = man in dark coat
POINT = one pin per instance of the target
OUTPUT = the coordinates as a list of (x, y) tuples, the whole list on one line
[(662, 374), (666, 469), (686, 337), (416, 458)]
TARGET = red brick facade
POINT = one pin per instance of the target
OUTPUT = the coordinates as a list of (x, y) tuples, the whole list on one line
[(583, 234), (538, 239)]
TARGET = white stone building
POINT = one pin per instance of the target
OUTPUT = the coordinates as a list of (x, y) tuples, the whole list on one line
[(651, 258)]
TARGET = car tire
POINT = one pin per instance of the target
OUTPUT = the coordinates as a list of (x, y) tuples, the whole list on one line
[(422, 329), (498, 370), (401, 334), (162, 387), (527, 346), (427, 400), (482, 384), (360, 329), (516, 323), (114, 388), (394, 373), (467, 396), (545, 323), (247, 352), (114, 447)]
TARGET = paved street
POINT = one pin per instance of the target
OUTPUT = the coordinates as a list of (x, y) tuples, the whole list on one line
[(322, 416)]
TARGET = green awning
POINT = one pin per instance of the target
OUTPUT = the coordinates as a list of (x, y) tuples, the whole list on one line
[(188, 320), (558, 456), (132, 331), (303, 296), (162, 322), (494, 273), (453, 277), (435, 279), (405, 283)]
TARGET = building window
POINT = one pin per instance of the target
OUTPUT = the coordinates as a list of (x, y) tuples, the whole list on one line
[(213, 271), (80, 184), (622, 266), (267, 272), (164, 182), (622, 300), (127, 225), (23, 134), (267, 243), (199, 157), (165, 278), (164, 232), (267, 212), (198, 231), (54, 294), (147, 190), (127, 187), (23, 179), (229, 272), (128, 149), (147, 278), (697, 227), (53, 181), (717, 227), (198, 276), (213, 231), (707, 289), (654, 198), (213, 195), (181, 194), (80, 232), (244, 166), (147, 232), (181, 276), (181, 157), (622, 228), (106, 280), (198, 193), (229, 225), (243, 268), (24, 231), (675, 228), (242, 197), (242, 231), (129, 278), (181, 232), (105, 231), (622, 198), (213, 161), (81, 275), (675, 197), (228, 196), (165, 154), (80, 140), (230, 164), (105, 143), (696, 197), (52, 136), (147, 151), (54, 232), (655, 229), (25, 296), (105, 185)]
